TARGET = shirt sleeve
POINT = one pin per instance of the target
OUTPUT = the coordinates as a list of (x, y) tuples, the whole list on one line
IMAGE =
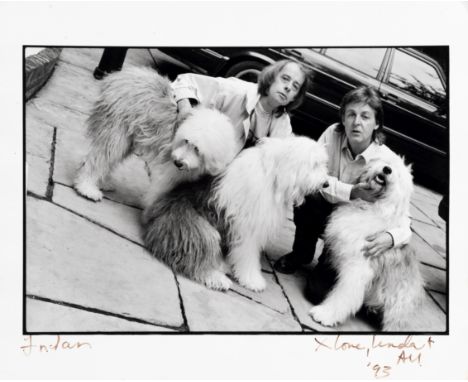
[(336, 191), (402, 234), (201, 89)]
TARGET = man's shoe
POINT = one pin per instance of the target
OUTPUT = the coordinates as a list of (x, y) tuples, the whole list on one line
[(287, 264), (99, 74)]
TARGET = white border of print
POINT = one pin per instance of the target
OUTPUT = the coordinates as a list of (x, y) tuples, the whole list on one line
[(222, 24)]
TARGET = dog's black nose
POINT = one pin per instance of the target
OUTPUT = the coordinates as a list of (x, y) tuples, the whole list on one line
[(325, 185), (387, 170), (178, 163)]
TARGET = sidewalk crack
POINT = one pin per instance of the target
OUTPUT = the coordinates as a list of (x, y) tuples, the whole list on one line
[(429, 244), (29, 193), (50, 184), (185, 327), (257, 302), (432, 220), (428, 291), (293, 312), (105, 197), (104, 312)]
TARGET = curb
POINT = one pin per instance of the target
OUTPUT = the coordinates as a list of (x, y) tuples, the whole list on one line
[(38, 69)]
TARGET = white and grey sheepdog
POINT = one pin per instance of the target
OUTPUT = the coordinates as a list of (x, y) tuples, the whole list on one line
[(391, 283), (221, 225), (136, 113)]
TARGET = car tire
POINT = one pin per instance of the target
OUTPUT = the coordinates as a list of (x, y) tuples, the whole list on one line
[(246, 70)]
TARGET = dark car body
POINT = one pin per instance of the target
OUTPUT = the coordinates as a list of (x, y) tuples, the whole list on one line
[(412, 84)]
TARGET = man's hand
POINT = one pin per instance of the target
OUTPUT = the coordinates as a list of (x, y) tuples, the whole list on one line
[(365, 191), (377, 244)]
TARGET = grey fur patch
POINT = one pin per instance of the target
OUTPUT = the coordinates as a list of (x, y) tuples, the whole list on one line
[(180, 229), (135, 110)]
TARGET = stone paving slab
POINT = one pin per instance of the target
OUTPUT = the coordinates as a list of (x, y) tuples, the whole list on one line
[(272, 296), (84, 58), (66, 319), (89, 58), (428, 204), (56, 115), (140, 57), (434, 317), (425, 253), (417, 214), (431, 196), (212, 311), (39, 137), (73, 260), (441, 299), (120, 218), (434, 236), (435, 278), (73, 88)]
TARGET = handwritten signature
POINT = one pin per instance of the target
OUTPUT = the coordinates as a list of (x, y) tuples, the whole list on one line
[(33, 345), (409, 351)]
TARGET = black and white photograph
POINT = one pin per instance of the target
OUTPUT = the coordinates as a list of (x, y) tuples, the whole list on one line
[(236, 189)]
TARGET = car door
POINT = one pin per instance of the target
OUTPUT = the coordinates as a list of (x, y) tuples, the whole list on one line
[(200, 60), (415, 103)]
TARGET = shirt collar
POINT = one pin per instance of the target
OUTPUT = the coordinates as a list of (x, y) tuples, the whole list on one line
[(367, 154), (251, 99)]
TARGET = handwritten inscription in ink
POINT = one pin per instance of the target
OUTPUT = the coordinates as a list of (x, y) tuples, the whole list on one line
[(34, 345), (407, 352)]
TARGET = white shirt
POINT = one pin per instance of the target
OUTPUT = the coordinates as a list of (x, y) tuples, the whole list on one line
[(344, 171), (235, 98)]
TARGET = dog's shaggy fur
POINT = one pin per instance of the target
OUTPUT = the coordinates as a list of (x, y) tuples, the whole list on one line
[(237, 214), (136, 112), (391, 283)]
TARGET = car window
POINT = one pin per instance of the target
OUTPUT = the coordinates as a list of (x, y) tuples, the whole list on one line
[(417, 77), (366, 60)]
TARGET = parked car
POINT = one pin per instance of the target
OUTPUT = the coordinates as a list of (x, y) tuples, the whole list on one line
[(413, 87)]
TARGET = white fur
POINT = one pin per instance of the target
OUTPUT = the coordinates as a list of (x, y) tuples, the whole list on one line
[(392, 281), (136, 112), (256, 193), (205, 143)]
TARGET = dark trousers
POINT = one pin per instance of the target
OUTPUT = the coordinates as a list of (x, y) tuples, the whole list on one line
[(310, 219), (112, 59)]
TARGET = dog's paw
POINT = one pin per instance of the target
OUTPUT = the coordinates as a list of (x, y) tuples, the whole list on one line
[(253, 281), (226, 268), (89, 190), (217, 280), (323, 315)]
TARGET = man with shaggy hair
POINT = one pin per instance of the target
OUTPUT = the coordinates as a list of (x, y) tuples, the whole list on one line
[(257, 110), (350, 144)]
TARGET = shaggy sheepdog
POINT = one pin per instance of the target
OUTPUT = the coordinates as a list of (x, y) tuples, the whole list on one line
[(221, 225), (136, 113), (391, 283)]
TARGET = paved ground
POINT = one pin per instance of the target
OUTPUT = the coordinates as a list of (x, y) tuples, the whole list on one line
[(87, 269)]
